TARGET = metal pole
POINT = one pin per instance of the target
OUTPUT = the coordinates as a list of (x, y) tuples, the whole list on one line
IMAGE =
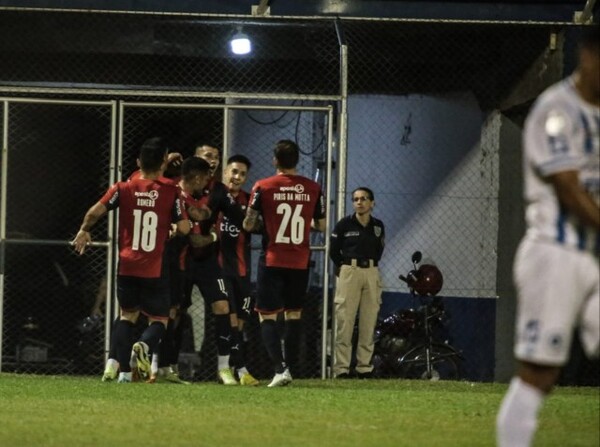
[(3, 217)]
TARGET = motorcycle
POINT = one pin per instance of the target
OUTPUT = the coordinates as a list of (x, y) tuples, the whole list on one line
[(412, 343)]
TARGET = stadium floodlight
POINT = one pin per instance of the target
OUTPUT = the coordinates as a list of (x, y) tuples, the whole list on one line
[(240, 43)]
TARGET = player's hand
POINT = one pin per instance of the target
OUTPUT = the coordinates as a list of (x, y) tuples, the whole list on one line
[(173, 231), (200, 213), (81, 241), (174, 162)]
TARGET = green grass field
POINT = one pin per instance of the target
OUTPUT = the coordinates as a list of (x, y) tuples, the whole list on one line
[(75, 411)]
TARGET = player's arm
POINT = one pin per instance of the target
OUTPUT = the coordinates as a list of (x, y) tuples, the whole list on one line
[(183, 227), (83, 237), (319, 224), (198, 214), (201, 240), (572, 196)]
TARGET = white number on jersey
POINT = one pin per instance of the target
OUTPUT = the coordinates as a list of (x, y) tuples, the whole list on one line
[(144, 230), (292, 219)]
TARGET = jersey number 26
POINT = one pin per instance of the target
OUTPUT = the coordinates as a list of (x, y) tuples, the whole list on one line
[(292, 218)]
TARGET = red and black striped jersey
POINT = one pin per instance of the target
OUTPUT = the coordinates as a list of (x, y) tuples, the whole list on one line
[(146, 210), (288, 204), (234, 256)]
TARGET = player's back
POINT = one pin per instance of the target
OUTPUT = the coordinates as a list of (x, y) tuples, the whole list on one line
[(146, 210), (288, 205)]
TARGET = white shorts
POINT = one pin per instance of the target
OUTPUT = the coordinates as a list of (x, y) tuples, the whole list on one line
[(558, 291)]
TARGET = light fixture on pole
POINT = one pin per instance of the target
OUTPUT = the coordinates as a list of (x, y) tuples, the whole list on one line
[(240, 43)]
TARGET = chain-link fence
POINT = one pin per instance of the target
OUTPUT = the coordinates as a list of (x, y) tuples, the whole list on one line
[(424, 113)]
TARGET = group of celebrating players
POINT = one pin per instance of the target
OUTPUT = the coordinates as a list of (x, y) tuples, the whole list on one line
[(180, 227)]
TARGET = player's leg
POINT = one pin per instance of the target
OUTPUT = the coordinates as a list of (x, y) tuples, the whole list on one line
[(269, 304), (589, 324), (111, 369), (549, 299), (240, 300), (296, 283), (128, 294), (370, 302), (213, 289), (155, 296), (347, 297)]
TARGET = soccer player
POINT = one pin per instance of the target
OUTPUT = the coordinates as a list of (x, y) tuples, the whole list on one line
[(234, 258), (556, 265), (203, 268), (290, 205), (192, 179), (147, 207)]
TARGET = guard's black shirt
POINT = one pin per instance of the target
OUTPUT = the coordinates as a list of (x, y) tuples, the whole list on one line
[(350, 240)]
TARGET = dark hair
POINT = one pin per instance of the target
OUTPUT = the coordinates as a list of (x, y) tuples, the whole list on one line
[(590, 38), (193, 166), (367, 190), (152, 154), (287, 154), (238, 158), (206, 143)]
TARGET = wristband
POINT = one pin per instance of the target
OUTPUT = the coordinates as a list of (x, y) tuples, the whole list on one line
[(214, 236)]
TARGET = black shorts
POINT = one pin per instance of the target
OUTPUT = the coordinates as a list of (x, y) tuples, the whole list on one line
[(280, 289), (208, 277), (151, 296), (240, 295)]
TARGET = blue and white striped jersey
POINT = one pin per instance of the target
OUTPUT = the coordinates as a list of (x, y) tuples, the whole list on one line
[(561, 134)]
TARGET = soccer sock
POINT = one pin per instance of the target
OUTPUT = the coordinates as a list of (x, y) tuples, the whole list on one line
[(293, 330), (237, 358), (222, 362), (517, 418), (152, 335), (154, 364), (123, 339), (223, 334), (112, 352), (270, 336), (177, 340), (112, 363), (167, 345)]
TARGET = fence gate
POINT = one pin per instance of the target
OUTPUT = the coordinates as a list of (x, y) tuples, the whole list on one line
[(56, 161)]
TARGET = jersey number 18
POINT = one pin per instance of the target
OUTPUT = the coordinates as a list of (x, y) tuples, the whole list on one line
[(144, 230)]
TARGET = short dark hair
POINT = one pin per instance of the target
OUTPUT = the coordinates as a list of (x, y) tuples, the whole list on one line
[(239, 158), (365, 189), (152, 154), (201, 143), (287, 154), (193, 166)]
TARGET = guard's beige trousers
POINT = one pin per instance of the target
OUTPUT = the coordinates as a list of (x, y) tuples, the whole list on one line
[(358, 289)]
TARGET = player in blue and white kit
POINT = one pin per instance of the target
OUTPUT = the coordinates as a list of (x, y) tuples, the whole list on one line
[(556, 267)]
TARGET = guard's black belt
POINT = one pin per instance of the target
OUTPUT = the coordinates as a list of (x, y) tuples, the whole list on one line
[(362, 263)]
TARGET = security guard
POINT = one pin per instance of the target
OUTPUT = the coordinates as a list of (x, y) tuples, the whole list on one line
[(357, 244)]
